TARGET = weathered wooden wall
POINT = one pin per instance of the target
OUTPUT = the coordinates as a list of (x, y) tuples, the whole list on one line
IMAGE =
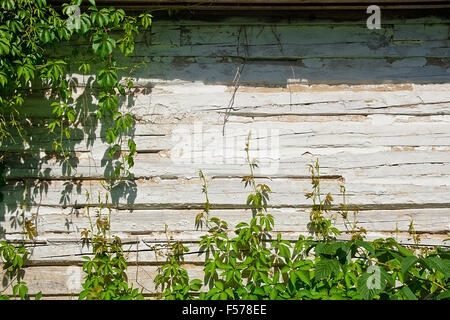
[(372, 105)]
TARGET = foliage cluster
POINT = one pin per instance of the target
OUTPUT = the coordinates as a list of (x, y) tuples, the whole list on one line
[(12, 258), (252, 262), (29, 30), (105, 272)]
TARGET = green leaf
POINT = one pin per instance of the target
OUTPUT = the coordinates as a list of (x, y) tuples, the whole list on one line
[(4, 46), (408, 293), (303, 275), (259, 291), (326, 267), (390, 278), (195, 285), (250, 199), (366, 246), (404, 251), (71, 115), (103, 45), (229, 292), (273, 294), (435, 263), (219, 285), (82, 24), (110, 135), (85, 68), (443, 295), (146, 20), (108, 102), (46, 35)]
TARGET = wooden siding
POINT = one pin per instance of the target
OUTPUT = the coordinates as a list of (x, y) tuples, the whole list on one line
[(372, 105)]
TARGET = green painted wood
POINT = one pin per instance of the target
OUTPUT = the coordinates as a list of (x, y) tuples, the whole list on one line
[(372, 105)]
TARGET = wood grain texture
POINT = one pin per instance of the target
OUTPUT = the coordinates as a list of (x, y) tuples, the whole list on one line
[(270, 6)]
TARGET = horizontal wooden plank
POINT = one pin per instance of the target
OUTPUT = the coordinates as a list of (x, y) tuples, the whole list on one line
[(150, 249), (67, 280), (349, 70), (180, 98), (268, 1), (304, 35), (319, 50), (387, 138), (223, 193), (371, 46), (166, 23), (345, 52), (277, 70)]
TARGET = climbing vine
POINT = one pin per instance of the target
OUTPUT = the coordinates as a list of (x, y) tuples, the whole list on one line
[(31, 33)]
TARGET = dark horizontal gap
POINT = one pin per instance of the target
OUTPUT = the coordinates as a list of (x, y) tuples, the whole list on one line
[(31, 263), (275, 11), (200, 206), (150, 232), (69, 297), (173, 177), (363, 114)]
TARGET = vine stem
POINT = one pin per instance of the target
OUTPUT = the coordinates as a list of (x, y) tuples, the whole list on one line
[(398, 268)]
